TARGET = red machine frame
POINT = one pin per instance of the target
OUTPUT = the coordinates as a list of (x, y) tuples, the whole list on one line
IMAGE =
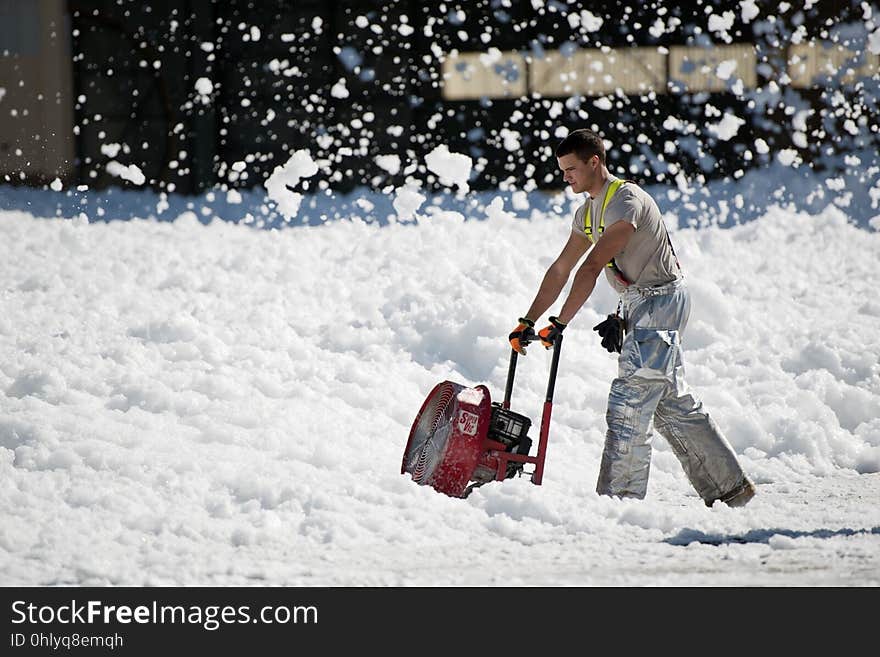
[(470, 457)]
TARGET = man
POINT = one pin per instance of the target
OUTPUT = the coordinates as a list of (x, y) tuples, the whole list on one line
[(624, 227)]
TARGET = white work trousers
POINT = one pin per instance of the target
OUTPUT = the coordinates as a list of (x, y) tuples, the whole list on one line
[(650, 389)]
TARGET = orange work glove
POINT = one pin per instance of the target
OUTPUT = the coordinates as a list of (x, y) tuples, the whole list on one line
[(522, 335), (549, 333)]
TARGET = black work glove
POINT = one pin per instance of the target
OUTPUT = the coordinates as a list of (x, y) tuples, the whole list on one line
[(549, 333), (522, 335), (611, 331)]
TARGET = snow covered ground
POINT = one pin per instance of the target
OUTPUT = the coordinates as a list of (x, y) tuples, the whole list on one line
[(191, 404)]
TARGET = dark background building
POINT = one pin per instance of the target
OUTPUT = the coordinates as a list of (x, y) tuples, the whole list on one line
[(206, 93)]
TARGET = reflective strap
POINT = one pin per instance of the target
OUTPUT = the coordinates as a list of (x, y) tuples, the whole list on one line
[(612, 190), (588, 223)]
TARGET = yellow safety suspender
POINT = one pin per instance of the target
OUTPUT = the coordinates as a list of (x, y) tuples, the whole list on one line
[(588, 222)]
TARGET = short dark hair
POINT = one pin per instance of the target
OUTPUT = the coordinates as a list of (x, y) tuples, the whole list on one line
[(583, 143)]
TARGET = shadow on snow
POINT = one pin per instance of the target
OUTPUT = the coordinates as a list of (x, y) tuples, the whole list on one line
[(688, 536)]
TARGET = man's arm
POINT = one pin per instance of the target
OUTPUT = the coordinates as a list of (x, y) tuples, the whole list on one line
[(612, 242), (557, 275)]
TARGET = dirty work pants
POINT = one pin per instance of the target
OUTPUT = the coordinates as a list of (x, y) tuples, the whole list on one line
[(650, 389)]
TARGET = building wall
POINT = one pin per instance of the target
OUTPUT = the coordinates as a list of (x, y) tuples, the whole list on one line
[(205, 93), (36, 105)]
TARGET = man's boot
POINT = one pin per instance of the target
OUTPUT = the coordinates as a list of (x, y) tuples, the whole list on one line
[(739, 496)]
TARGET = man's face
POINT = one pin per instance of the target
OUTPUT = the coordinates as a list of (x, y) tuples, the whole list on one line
[(580, 175)]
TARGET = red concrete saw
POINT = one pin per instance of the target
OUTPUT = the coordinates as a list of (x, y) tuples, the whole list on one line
[(461, 439)]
